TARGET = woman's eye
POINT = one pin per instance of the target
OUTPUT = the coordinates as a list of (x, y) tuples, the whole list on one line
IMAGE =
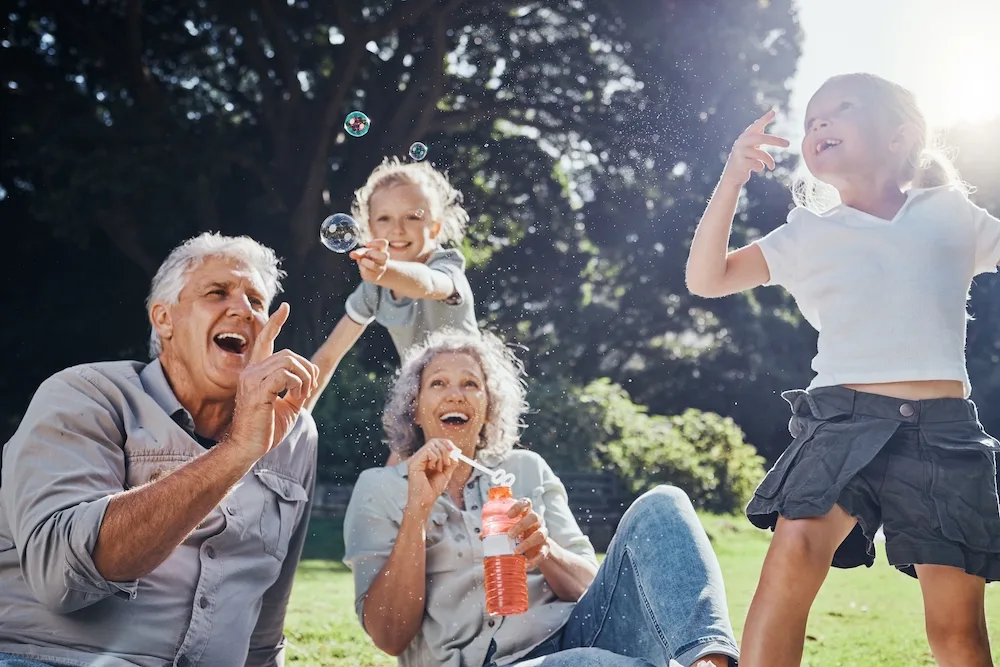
[(437, 383), (846, 105)]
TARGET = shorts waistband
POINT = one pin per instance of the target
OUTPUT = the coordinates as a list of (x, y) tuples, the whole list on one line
[(831, 402)]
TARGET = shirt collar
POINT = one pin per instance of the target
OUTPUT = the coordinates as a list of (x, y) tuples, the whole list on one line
[(155, 382)]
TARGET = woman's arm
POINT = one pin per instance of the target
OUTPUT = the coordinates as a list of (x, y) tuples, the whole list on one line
[(569, 575), (394, 605)]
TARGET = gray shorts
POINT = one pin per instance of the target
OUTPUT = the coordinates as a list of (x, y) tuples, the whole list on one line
[(923, 470)]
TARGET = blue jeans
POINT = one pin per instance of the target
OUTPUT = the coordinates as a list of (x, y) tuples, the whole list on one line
[(658, 598), (8, 660)]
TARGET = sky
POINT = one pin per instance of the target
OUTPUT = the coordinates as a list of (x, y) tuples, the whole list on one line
[(946, 51)]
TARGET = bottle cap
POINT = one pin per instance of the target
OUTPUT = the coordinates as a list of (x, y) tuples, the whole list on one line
[(497, 492)]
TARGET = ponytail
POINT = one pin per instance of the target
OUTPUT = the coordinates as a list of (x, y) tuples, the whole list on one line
[(933, 168)]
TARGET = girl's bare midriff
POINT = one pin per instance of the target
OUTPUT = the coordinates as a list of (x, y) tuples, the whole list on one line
[(921, 390)]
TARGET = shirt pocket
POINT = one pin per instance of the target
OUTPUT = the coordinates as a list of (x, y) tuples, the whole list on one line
[(282, 500), (440, 549)]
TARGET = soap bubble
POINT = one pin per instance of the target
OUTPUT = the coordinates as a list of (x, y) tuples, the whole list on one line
[(357, 124), (340, 233), (418, 151)]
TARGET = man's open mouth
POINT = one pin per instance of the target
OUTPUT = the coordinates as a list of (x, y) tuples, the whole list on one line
[(231, 342)]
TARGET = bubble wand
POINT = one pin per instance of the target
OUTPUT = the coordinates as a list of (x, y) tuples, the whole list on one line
[(498, 477)]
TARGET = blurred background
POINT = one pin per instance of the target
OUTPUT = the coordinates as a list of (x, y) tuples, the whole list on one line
[(586, 136)]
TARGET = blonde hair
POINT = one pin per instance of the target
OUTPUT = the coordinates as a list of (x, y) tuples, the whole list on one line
[(446, 201), (926, 166), (505, 392)]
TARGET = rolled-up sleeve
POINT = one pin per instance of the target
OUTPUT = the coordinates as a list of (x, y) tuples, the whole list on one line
[(58, 474), (553, 500), (369, 535), (362, 303), (451, 262)]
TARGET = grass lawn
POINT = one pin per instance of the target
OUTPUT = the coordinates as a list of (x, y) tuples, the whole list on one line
[(870, 617)]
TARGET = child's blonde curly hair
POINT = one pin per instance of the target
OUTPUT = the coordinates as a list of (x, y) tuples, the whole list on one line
[(446, 201)]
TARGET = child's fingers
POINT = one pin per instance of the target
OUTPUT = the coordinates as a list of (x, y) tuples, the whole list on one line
[(381, 245), (762, 156), (762, 122)]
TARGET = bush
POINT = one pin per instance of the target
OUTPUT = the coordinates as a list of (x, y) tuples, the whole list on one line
[(599, 427)]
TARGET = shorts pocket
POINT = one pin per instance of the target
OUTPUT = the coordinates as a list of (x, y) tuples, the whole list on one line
[(803, 429), (282, 498), (964, 495)]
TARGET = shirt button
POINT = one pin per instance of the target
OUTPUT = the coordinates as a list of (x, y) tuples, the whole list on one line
[(906, 410), (476, 529), (182, 661), (203, 602), (492, 623), (210, 552), (230, 510), (459, 554), (475, 507), (471, 485)]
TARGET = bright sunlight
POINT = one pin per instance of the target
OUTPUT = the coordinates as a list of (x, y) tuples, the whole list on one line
[(945, 52)]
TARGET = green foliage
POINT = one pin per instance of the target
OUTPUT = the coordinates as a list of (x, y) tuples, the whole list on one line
[(348, 417), (600, 426)]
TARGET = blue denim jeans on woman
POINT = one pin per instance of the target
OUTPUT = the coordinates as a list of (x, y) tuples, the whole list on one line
[(8, 660), (658, 598)]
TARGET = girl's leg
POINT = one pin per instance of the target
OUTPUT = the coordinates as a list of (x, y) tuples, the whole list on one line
[(955, 616), (796, 564)]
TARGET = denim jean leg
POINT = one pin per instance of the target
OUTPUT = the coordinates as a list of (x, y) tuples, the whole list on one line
[(659, 594)]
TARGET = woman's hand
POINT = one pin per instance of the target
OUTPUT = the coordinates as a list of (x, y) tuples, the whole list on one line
[(428, 472), (529, 533)]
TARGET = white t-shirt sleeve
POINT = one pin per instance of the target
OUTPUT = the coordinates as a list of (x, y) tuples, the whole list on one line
[(987, 230), (781, 250)]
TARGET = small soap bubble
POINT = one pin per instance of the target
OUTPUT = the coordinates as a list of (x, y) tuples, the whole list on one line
[(340, 233), (357, 124), (418, 151)]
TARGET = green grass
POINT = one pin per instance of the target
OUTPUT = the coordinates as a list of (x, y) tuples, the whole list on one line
[(863, 616)]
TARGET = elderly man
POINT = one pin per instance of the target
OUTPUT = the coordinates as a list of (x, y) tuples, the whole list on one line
[(154, 514)]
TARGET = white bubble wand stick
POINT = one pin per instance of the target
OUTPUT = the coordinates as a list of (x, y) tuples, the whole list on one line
[(498, 477)]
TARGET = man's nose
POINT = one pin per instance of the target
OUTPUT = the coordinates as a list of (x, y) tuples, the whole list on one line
[(240, 306)]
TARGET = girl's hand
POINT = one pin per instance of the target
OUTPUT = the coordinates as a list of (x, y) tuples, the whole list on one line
[(529, 533), (372, 259), (747, 156)]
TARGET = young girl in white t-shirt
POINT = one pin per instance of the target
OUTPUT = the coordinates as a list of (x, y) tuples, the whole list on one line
[(885, 434)]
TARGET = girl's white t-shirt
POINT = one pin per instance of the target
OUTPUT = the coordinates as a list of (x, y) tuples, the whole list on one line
[(888, 297)]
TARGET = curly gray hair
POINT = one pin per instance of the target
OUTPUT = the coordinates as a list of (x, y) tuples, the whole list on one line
[(505, 390), (446, 201)]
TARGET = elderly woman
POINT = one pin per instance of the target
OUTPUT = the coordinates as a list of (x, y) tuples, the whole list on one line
[(412, 534)]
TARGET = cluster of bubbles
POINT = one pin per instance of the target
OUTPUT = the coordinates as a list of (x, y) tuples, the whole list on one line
[(340, 232)]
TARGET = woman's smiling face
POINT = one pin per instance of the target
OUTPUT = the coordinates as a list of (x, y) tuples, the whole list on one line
[(453, 401)]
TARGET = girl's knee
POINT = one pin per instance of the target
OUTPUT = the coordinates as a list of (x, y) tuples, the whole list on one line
[(804, 542)]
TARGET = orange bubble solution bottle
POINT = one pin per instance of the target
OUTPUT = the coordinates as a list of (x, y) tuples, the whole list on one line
[(506, 572)]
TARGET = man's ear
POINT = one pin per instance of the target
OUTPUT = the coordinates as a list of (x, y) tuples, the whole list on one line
[(159, 318)]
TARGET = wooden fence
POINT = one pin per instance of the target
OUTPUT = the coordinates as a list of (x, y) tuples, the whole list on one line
[(597, 500)]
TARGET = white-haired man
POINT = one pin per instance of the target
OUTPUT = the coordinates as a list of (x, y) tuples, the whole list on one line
[(154, 514)]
